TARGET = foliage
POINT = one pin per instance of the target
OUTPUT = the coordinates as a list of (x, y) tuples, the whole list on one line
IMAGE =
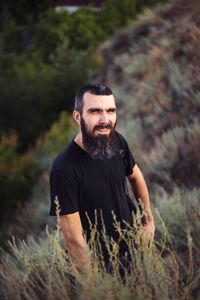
[(33, 213), (116, 14), (84, 30), (151, 71), (151, 67), (17, 174), (71, 69), (22, 86), (59, 135), (42, 269), (142, 4), (180, 213), (39, 75), (41, 89), (46, 55), (23, 11)]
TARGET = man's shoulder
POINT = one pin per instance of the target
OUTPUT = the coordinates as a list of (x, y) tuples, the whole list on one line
[(121, 139), (66, 158)]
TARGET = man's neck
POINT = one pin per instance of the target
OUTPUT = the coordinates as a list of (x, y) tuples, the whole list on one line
[(79, 140)]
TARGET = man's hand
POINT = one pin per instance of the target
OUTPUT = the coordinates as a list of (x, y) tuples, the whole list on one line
[(140, 191), (149, 229), (148, 232)]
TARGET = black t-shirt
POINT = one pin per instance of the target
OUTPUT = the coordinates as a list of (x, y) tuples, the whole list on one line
[(94, 188)]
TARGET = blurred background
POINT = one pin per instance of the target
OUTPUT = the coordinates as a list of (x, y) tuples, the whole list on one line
[(147, 51)]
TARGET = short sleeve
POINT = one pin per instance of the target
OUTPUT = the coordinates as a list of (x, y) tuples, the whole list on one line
[(64, 186), (128, 158), (130, 162)]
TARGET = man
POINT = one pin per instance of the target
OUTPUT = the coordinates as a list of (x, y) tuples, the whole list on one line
[(88, 177)]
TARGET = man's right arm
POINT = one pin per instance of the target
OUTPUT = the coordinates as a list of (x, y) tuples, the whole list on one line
[(73, 236), (65, 185)]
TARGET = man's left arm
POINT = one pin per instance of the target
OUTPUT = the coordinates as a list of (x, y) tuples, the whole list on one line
[(140, 191)]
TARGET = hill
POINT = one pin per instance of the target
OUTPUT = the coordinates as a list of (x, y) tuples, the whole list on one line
[(153, 68)]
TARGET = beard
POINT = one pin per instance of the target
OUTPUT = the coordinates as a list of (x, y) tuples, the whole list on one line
[(100, 147)]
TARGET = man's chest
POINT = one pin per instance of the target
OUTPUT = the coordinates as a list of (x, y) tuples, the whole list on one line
[(101, 179)]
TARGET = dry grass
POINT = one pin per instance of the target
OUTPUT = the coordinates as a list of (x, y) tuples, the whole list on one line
[(41, 269)]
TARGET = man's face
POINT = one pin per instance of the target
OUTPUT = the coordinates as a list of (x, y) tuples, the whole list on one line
[(99, 114), (97, 123)]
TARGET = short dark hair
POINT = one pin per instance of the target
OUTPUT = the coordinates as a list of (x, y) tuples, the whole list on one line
[(93, 88)]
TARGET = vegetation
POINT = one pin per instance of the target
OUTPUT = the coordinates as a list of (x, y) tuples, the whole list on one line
[(44, 57), (17, 175), (152, 67), (59, 135), (151, 70), (42, 269)]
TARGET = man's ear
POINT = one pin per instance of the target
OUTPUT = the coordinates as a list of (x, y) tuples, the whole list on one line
[(77, 117)]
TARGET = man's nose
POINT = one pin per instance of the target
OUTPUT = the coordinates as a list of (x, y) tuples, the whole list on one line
[(104, 117)]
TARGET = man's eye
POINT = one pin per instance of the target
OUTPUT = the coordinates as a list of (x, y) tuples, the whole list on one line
[(95, 111)]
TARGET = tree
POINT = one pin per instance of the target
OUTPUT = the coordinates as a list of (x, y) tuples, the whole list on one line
[(116, 14), (25, 11), (84, 30)]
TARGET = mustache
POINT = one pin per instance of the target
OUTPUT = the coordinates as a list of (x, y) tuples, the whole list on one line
[(102, 126)]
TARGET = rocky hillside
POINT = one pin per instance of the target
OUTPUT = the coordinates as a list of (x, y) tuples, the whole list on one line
[(153, 68)]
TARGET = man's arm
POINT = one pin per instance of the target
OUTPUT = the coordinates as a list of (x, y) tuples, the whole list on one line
[(74, 240), (140, 191)]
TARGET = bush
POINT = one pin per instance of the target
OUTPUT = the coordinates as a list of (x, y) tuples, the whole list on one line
[(180, 212), (58, 136), (25, 96), (17, 175), (42, 269)]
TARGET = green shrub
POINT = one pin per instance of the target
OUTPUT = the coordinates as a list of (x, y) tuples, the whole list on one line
[(116, 14), (17, 175), (58, 136)]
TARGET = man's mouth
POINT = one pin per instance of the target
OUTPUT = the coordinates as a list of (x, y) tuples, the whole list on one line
[(103, 129), (98, 127)]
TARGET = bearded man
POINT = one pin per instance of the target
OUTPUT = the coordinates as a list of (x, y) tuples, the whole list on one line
[(88, 177)]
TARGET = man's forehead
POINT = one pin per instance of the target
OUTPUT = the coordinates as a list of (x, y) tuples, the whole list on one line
[(90, 100)]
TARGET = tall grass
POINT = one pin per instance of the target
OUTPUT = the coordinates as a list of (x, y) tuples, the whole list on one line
[(41, 269)]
